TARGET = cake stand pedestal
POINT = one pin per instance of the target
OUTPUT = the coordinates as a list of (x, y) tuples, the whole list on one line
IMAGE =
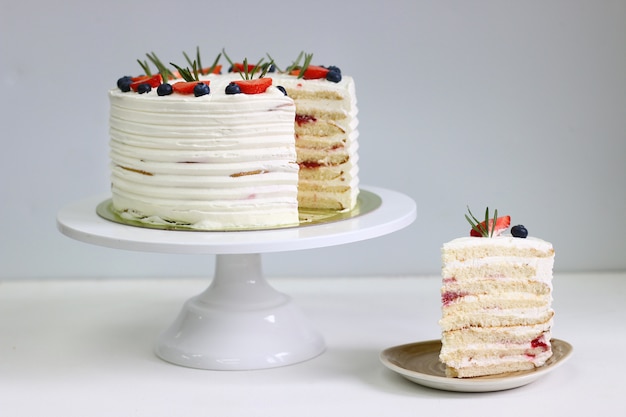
[(239, 322)]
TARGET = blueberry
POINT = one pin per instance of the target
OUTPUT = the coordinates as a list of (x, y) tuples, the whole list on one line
[(334, 68), (281, 88), (334, 76), (143, 88), (124, 83), (519, 231), (164, 89), (201, 89), (232, 88)]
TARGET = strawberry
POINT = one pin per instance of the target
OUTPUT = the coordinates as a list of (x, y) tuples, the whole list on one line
[(254, 86), (312, 72), (187, 87), (152, 80), (238, 67), (502, 223)]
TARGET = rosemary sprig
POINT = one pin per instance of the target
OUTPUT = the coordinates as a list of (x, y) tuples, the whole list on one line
[(145, 67), (305, 65), (272, 62), (227, 58), (215, 62), (295, 64), (166, 74), (246, 74), (198, 60), (186, 73), (486, 229)]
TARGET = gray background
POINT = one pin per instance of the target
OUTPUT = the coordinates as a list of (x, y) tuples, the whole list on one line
[(520, 106)]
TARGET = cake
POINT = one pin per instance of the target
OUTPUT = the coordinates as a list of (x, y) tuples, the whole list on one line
[(231, 160), (496, 300)]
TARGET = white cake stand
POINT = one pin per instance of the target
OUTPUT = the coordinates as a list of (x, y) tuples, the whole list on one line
[(239, 322)]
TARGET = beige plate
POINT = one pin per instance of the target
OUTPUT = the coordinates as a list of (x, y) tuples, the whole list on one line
[(419, 362), (366, 202)]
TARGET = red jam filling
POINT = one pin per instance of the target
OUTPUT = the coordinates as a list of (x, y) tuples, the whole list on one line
[(539, 342), (449, 297), (303, 118), (309, 164)]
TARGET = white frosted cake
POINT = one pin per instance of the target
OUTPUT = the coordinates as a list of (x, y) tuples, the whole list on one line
[(211, 162), (220, 159), (496, 301)]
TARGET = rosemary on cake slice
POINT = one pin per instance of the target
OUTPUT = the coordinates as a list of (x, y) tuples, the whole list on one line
[(488, 227)]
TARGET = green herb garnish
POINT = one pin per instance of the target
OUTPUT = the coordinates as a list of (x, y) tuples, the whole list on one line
[(145, 67), (295, 65), (186, 73), (166, 74), (246, 74), (485, 229), (198, 60)]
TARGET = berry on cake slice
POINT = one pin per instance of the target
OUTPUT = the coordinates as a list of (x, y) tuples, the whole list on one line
[(519, 231), (489, 227)]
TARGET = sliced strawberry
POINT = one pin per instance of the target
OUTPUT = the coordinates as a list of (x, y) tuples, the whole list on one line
[(502, 223), (255, 86), (238, 67), (312, 72), (186, 87), (216, 70), (153, 80)]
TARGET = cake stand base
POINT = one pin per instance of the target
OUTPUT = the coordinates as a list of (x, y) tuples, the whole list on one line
[(239, 323)]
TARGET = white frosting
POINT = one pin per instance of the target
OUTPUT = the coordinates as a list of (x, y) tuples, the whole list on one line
[(502, 240), (212, 162)]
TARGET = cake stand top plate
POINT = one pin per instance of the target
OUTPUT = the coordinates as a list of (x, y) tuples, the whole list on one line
[(80, 221)]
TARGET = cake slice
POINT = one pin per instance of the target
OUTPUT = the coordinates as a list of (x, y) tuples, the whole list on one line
[(496, 300)]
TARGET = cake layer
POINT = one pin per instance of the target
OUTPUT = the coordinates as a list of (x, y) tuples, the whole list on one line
[(472, 249), (215, 162), (478, 351)]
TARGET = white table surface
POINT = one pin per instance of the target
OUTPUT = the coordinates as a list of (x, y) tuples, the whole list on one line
[(85, 348)]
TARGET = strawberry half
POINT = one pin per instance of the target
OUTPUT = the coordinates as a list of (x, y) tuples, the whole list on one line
[(186, 87), (255, 86), (312, 72), (153, 80), (502, 223), (238, 67)]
